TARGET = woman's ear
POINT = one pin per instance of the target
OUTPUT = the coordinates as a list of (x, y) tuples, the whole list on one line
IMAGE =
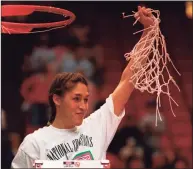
[(57, 100)]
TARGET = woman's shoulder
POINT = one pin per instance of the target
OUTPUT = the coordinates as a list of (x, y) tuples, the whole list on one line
[(33, 138), (32, 142)]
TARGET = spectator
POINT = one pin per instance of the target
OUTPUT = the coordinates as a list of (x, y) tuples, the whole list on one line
[(159, 160), (77, 61), (97, 60), (41, 55), (128, 143), (10, 142), (181, 164), (170, 157), (115, 161), (81, 32), (136, 163), (151, 132), (35, 93)]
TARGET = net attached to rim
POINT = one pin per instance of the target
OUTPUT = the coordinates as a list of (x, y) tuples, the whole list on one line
[(25, 10), (148, 76)]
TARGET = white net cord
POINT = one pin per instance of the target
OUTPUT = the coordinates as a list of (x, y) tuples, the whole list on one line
[(148, 76), (18, 31)]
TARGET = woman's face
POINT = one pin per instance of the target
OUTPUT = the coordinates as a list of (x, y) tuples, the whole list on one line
[(137, 163), (74, 105), (180, 164)]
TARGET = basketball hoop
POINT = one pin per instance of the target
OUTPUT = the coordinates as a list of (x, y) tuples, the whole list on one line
[(26, 28)]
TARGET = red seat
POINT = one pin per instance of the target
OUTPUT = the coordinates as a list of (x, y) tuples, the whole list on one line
[(181, 128), (183, 142), (165, 143), (31, 129)]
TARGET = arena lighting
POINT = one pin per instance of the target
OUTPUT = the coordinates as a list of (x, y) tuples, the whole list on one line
[(189, 9)]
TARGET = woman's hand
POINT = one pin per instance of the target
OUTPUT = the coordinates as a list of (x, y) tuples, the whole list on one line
[(144, 16)]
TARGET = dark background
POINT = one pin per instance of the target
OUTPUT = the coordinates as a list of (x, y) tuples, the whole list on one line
[(109, 29)]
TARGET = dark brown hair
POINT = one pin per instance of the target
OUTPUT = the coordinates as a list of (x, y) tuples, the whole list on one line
[(62, 83)]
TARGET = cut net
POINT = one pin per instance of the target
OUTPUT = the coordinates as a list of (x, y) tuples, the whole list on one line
[(149, 63)]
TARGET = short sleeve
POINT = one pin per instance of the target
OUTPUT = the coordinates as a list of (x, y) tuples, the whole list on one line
[(108, 120), (27, 153), (22, 160)]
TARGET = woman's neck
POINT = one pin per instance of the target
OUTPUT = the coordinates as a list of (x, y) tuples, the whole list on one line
[(62, 124)]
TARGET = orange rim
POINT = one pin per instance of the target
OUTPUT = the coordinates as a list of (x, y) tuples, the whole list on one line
[(23, 10)]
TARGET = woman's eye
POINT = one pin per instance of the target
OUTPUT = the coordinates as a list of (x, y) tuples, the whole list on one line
[(77, 99), (86, 100)]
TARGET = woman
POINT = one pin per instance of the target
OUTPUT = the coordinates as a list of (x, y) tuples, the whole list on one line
[(70, 136)]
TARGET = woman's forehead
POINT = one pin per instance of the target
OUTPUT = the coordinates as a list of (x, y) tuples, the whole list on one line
[(80, 90)]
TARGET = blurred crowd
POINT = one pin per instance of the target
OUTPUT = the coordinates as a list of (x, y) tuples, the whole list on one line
[(137, 144)]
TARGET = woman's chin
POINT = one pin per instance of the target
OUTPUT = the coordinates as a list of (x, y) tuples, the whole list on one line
[(78, 122)]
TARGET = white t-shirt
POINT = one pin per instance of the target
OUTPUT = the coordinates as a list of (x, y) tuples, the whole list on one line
[(86, 142)]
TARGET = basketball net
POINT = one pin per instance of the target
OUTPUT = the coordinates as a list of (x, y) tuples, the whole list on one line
[(148, 76)]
